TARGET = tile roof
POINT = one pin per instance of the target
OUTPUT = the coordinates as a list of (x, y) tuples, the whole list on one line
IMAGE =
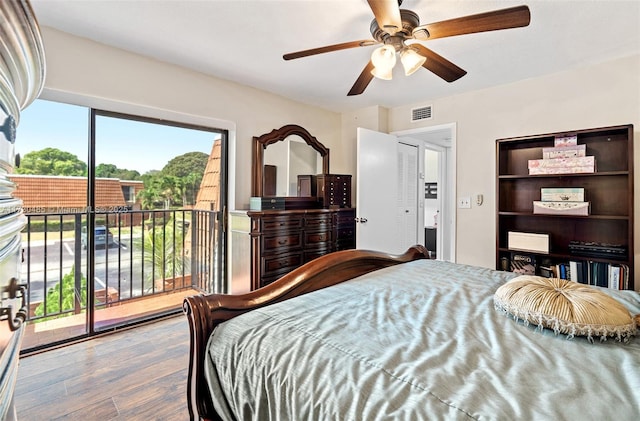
[(68, 192), (209, 191)]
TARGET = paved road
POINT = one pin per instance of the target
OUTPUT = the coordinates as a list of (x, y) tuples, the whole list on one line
[(43, 269)]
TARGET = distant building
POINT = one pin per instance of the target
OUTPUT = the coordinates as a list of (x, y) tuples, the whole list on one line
[(60, 194)]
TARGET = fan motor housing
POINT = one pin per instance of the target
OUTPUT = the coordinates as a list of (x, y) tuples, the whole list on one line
[(409, 19)]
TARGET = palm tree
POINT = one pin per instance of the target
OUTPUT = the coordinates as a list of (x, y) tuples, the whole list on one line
[(148, 197), (163, 248)]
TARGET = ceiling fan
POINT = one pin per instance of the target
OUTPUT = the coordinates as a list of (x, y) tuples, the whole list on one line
[(399, 31)]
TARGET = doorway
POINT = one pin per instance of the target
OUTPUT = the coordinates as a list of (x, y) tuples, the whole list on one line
[(381, 215), (437, 211)]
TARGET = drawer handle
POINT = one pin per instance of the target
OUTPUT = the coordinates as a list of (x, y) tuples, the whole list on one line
[(21, 316), (282, 242)]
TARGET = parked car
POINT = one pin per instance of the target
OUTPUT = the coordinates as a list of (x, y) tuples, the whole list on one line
[(102, 237)]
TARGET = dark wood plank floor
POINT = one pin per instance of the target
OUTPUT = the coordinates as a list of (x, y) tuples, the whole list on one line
[(136, 374)]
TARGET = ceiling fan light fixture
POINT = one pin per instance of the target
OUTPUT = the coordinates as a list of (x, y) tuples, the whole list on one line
[(384, 74), (411, 61), (383, 59)]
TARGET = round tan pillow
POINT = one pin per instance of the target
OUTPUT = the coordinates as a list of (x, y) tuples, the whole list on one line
[(565, 307)]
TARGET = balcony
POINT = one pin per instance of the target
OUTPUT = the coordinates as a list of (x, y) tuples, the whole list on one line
[(143, 264)]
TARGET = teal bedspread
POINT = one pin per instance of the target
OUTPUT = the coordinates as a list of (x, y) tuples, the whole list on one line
[(418, 341)]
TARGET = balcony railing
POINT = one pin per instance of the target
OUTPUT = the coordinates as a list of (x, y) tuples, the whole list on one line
[(138, 254)]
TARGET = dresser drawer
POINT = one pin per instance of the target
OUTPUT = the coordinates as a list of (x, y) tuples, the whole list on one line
[(317, 239), (280, 223), (280, 264), (281, 242), (345, 234), (317, 222)]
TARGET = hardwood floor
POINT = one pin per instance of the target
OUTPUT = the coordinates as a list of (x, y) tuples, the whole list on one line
[(136, 374)]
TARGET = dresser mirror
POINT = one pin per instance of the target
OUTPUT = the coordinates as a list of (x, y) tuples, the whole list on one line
[(280, 156)]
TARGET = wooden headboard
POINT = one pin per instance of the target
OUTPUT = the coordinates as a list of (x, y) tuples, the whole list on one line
[(205, 312)]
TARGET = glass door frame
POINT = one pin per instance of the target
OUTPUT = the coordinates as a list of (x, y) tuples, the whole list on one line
[(220, 271)]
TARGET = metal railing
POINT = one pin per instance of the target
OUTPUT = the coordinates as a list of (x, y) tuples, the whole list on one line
[(137, 254)]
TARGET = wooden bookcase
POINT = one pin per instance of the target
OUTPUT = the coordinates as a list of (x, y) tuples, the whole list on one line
[(609, 190)]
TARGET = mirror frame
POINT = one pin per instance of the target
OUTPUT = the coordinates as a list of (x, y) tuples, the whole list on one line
[(277, 135)]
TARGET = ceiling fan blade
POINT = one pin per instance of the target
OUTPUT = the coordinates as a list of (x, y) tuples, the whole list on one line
[(363, 80), (439, 65), (387, 13), (329, 48), (513, 17)]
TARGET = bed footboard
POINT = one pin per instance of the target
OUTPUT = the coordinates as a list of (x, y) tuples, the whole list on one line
[(205, 312)]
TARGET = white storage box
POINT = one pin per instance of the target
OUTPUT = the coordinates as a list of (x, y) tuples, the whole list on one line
[(527, 241)]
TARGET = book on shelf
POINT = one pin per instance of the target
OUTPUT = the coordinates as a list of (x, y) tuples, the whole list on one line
[(603, 274), (588, 272), (614, 276)]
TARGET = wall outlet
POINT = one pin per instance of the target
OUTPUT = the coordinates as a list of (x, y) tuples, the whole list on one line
[(464, 202)]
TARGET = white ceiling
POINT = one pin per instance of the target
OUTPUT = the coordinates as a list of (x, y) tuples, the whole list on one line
[(244, 40)]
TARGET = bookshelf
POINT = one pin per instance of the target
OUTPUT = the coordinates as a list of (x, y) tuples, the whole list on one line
[(608, 189)]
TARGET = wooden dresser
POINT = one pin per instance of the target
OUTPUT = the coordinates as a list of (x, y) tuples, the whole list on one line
[(21, 80), (284, 240)]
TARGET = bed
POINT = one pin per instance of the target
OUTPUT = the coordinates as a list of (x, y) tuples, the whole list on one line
[(362, 335)]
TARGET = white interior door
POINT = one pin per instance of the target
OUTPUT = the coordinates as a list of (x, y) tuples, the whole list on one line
[(376, 196), (387, 193), (407, 190)]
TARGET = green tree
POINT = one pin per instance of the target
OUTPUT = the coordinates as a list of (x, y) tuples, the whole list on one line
[(111, 171), (67, 290), (189, 168), (52, 161), (183, 165), (169, 188), (163, 252), (188, 187), (148, 197)]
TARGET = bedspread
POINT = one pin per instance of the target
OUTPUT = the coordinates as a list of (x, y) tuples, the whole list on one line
[(417, 341)]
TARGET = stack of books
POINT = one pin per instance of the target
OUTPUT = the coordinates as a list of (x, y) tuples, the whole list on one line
[(562, 201), (602, 274), (565, 157)]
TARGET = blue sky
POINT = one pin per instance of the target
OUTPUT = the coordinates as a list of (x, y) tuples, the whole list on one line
[(126, 144)]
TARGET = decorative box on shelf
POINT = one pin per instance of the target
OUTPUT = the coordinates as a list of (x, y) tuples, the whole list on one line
[(552, 194), (561, 208), (564, 152), (523, 264), (576, 165), (561, 141)]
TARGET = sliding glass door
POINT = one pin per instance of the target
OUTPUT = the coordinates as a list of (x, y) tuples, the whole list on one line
[(156, 204), (125, 218)]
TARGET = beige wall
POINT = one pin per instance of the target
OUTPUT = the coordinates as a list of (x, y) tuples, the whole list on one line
[(86, 73), (83, 72), (606, 94)]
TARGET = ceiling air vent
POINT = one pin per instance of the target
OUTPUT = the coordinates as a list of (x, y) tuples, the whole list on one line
[(421, 113)]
